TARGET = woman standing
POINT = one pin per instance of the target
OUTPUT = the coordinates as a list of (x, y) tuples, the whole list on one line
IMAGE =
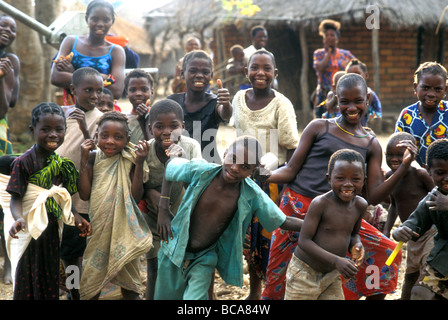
[(92, 50), (327, 61)]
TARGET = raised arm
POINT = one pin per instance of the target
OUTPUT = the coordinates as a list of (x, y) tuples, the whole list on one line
[(223, 106), (117, 71), (62, 72), (141, 152), (9, 83), (86, 169)]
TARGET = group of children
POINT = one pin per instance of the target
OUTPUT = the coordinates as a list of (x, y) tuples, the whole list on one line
[(127, 185)]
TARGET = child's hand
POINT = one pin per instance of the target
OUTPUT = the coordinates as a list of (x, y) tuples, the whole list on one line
[(19, 225), (141, 151), (142, 110), (404, 234), (79, 116), (438, 201), (164, 222), (262, 173), (83, 225), (410, 153), (223, 94), (357, 254), (175, 150), (87, 146), (346, 267)]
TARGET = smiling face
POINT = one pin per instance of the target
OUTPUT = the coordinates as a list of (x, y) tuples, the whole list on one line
[(49, 132), (166, 129), (394, 155), (197, 74), (430, 89), (139, 91), (87, 92), (238, 164), (7, 31), (353, 103), (331, 38), (260, 39), (261, 71), (99, 21), (112, 137), (347, 179)]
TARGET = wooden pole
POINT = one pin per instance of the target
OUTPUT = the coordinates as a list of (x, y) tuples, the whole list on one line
[(304, 87)]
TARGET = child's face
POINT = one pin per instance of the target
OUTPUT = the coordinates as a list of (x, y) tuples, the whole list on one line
[(238, 55), (112, 137), (430, 89), (353, 103), (347, 179), (197, 74), (139, 91), (192, 44), (438, 170), (88, 92), (394, 156), (99, 21), (49, 132), (260, 39), (261, 71), (238, 164), (166, 129), (7, 31), (358, 70), (105, 103)]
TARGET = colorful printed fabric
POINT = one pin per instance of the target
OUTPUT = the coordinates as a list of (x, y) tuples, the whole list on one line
[(411, 121), (56, 166), (337, 62), (257, 243), (377, 249), (5, 144)]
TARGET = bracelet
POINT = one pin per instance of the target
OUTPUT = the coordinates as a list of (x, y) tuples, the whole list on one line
[(163, 197)]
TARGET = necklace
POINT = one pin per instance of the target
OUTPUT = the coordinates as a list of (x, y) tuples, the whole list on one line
[(352, 134)]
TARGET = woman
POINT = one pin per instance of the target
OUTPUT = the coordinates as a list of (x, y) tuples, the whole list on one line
[(92, 51), (327, 61)]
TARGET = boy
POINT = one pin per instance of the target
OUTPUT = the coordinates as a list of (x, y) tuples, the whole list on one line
[(86, 87), (431, 210), (330, 230), (412, 188), (106, 101), (208, 230), (165, 123), (235, 70)]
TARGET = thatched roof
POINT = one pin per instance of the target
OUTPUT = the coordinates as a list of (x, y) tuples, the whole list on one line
[(396, 13)]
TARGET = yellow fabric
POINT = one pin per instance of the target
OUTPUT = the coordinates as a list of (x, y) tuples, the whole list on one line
[(35, 215), (120, 234)]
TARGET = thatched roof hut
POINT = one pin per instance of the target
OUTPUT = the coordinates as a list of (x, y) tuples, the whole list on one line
[(406, 37)]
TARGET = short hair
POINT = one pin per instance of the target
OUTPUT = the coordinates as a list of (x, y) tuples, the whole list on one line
[(196, 54), (356, 62), (45, 108), (108, 92), (351, 80), (433, 68), (438, 149), (348, 155), (397, 137), (249, 143), (165, 106), (138, 73), (337, 75), (100, 3), (80, 74), (236, 46), (262, 51), (114, 116), (255, 29), (329, 24)]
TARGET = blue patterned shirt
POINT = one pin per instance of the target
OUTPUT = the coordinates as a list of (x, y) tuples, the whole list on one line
[(411, 121)]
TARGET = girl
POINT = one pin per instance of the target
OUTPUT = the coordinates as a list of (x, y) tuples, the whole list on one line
[(203, 111), (305, 175), (427, 119), (261, 112), (375, 109), (116, 173), (37, 271), (139, 88), (91, 51)]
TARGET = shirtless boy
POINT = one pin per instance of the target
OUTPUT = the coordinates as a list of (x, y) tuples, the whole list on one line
[(210, 224)]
